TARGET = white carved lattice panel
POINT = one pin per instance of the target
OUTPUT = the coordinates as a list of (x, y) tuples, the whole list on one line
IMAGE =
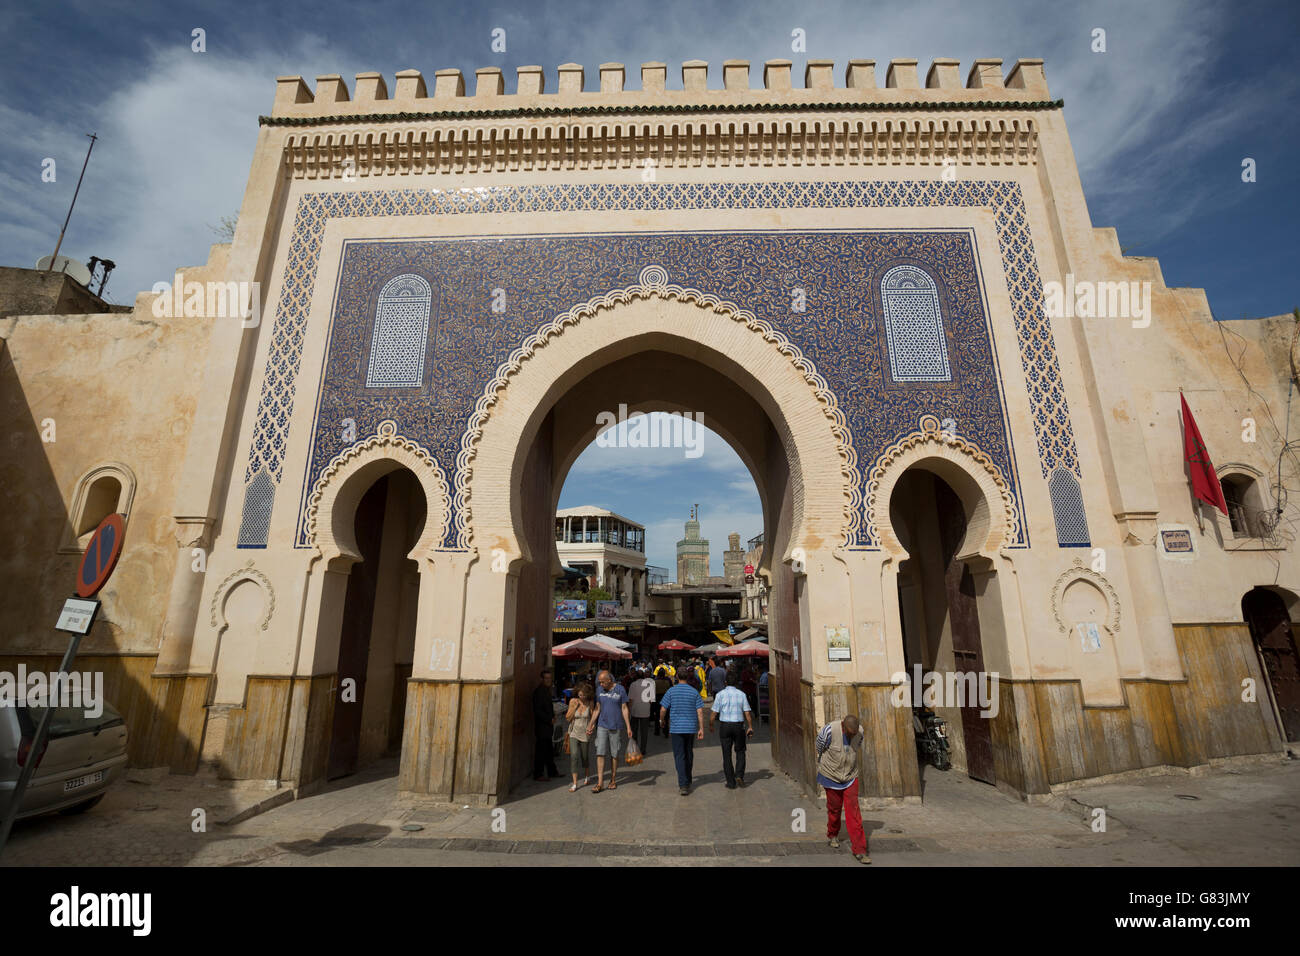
[(401, 334), (918, 351)]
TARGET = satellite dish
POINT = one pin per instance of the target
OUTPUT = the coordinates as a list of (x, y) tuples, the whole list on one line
[(69, 267)]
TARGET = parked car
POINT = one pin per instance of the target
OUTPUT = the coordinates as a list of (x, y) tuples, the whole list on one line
[(81, 759)]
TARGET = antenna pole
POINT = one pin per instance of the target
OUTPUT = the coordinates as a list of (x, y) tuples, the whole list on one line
[(93, 137)]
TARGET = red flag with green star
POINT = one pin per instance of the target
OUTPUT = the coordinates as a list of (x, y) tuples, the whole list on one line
[(1205, 480)]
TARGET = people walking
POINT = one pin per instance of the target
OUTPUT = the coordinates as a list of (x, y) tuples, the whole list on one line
[(731, 709), (717, 677), (610, 720), (581, 707), (662, 682), (837, 772), (681, 713), (641, 698), (543, 721)]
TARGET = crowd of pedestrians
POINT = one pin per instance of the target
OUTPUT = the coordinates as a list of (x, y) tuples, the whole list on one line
[(672, 700), (659, 699)]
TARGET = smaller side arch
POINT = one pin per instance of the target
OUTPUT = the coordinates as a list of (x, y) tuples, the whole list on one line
[(993, 519), (336, 493)]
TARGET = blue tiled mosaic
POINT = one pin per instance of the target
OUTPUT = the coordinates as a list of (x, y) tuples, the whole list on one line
[(847, 340)]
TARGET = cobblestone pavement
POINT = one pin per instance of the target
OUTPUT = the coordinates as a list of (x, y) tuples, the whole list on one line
[(1244, 813)]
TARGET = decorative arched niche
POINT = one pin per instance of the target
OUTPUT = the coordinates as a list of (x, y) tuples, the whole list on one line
[(106, 489)]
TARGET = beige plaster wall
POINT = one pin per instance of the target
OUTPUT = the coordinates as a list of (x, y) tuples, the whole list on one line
[(118, 387)]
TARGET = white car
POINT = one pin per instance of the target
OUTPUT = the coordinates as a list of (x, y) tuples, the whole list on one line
[(81, 759)]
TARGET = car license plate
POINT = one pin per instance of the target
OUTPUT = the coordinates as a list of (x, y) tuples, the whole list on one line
[(78, 782)]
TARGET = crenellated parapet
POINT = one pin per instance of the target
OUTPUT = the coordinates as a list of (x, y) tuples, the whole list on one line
[(985, 87), (596, 123)]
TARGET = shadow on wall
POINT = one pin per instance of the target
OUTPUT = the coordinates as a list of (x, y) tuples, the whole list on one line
[(39, 566)]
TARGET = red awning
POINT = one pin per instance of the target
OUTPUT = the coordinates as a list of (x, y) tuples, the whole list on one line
[(676, 645), (745, 649), (584, 650)]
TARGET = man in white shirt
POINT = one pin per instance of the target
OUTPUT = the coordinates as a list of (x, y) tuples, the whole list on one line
[(731, 707), (641, 696)]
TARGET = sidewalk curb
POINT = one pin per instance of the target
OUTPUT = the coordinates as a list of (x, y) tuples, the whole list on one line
[(279, 798)]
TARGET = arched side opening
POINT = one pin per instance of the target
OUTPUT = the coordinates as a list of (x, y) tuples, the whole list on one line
[(1266, 613), (943, 514), (939, 610), (374, 517), (377, 633)]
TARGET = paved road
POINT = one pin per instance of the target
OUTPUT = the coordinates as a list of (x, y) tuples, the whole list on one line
[(1245, 814)]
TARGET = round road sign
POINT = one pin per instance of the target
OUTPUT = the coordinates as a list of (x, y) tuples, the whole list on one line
[(101, 556)]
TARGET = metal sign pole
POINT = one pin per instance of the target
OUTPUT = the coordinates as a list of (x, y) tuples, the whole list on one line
[(34, 753)]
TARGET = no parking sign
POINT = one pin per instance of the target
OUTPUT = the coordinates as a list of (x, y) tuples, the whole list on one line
[(101, 556)]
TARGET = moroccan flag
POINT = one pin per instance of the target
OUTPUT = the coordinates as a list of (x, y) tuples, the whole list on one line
[(1205, 481)]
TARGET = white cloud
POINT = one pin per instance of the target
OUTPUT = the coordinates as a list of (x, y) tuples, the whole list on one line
[(173, 158), (177, 140)]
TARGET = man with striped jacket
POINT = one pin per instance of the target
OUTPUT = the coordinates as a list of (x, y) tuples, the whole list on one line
[(837, 771)]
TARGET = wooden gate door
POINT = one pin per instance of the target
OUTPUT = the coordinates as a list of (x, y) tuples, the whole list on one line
[(968, 657), (1270, 626), (354, 639)]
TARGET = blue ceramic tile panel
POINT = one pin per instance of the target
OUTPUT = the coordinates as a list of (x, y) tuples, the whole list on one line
[(841, 333)]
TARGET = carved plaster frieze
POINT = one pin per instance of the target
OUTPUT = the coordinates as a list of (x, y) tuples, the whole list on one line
[(486, 145)]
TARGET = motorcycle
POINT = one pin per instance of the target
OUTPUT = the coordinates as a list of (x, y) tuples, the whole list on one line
[(931, 738)]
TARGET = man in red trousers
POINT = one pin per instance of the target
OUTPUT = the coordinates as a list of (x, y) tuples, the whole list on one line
[(837, 771)]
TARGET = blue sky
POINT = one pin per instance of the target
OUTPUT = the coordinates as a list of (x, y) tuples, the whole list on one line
[(656, 487), (1160, 122)]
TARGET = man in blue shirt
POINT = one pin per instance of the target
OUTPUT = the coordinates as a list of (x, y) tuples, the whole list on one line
[(717, 678), (731, 707), (609, 722), (681, 710)]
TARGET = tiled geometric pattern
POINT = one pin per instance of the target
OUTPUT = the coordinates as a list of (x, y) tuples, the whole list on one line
[(401, 334), (1053, 431), (259, 496), (839, 328), (913, 328), (1067, 504)]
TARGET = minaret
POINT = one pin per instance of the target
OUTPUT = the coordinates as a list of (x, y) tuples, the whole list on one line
[(733, 561), (693, 554)]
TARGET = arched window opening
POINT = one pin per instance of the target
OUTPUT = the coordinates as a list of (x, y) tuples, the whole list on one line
[(918, 350), (104, 490), (101, 501), (1239, 492), (401, 334)]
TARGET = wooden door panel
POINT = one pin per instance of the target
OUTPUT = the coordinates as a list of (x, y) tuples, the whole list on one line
[(1270, 627), (968, 657)]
